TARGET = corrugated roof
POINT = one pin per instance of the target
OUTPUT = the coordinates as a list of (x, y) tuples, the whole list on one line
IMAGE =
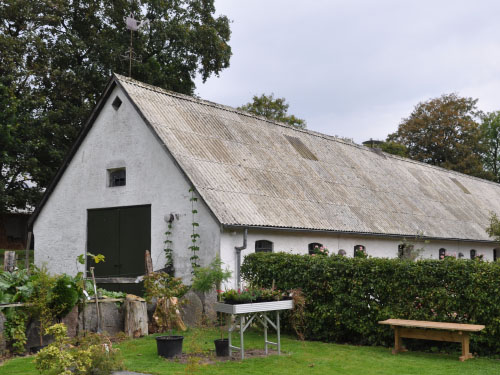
[(254, 172)]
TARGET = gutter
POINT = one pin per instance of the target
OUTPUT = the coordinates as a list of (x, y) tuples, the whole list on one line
[(239, 249)]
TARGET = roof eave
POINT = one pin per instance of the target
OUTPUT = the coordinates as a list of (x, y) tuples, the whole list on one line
[(368, 234)]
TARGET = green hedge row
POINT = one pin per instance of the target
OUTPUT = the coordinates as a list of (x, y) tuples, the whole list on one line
[(346, 297)]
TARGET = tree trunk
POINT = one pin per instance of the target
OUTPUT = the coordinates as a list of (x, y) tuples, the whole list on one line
[(136, 317)]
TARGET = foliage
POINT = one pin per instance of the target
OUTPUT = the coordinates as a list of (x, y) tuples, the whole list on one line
[(445, 132), (169, 252), (89, 287), (490, 134), (40, 300), (15, 286), (394, 148), (167, 291), (47, 297), (298, 314), (272, 108), (195, 259), (161, 284), (15, 328), (65, 295), (93, 355), (408, 249), (319, 250), (96, 258), (493, 229), (253, 294), (346, 297), (47, 48), (210, 277), (360, 252)]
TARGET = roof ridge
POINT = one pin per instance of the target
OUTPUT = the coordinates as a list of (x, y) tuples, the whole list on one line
[(283, 125), (230, 109)]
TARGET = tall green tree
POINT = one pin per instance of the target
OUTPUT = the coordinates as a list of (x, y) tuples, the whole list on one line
[(445, 132), (272, 108), (490, 131), (56, 57)]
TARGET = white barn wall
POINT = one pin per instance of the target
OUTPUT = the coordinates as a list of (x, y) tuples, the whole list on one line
[(121, 139), (297, 243)]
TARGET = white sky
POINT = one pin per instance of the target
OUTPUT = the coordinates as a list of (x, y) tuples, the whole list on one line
[(355, 68)]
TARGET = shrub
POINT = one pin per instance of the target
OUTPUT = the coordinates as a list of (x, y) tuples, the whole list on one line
[(93, 355), (346, 297)]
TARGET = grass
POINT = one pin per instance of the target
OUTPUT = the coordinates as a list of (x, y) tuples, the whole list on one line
[(300, 358)]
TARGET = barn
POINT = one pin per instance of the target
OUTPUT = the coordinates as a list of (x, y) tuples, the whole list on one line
[(129, 181)]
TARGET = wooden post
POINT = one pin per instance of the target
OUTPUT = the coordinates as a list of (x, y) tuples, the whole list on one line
[(27, 253), (136, 317), (465, 347), (9, 261), (398, 341), (148, 262)]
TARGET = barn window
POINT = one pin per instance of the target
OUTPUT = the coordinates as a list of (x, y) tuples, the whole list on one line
[(263, 246), (442, 253), (116, 103), (472, 254), (313, 245), (496, 254), (117, 177), (404, 251), (460, 255), (360, 251)]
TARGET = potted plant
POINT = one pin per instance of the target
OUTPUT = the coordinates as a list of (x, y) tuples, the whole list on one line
[(167, 291), (206, 279)]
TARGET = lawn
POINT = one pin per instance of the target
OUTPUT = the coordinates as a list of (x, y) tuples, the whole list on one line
[(300, 357)]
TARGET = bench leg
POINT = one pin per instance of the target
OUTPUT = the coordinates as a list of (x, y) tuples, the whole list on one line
[(398, 342), (465, 348)]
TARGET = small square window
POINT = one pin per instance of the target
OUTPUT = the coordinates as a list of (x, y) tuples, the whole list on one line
[(116, 103), (117, 177)]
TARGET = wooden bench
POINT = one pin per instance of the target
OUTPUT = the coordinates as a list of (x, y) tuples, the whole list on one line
[(416, 329)]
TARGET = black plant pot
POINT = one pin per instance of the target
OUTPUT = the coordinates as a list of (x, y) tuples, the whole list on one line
[(221, 347), (169, 346)]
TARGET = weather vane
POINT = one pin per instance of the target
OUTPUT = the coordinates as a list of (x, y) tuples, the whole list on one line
[(133, 25)]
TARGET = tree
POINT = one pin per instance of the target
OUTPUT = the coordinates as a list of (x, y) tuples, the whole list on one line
[(490, 131), (394, 148), (445, 132), (56, 57), (275, 109)]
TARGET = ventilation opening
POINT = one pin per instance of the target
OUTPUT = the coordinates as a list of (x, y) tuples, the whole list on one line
[(459, 184), (117, 177), (116, 103), (301, 148)]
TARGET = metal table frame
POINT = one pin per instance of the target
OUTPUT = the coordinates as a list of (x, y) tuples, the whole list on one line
[(254, 312)]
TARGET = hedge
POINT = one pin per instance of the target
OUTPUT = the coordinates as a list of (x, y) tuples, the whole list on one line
[(346, 297)]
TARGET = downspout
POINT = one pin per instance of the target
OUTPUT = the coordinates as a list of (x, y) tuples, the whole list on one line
[(239, 249)]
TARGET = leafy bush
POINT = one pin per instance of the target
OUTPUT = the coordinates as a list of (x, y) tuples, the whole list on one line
[(346, 297), (93, 354), (65, 296)]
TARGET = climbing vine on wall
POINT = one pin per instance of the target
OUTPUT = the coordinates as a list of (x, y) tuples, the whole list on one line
[(169, 252), (195, 259)]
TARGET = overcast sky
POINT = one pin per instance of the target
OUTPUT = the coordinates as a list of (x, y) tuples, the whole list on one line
[(355, 68)]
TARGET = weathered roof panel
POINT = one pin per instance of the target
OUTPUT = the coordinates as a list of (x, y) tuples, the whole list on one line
[(253, 172)]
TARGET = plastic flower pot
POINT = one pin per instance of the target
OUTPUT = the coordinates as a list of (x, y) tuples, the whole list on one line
[(221, 347), (169, 346)]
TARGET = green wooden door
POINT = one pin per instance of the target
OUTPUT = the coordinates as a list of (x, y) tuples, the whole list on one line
[(122, 235)]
